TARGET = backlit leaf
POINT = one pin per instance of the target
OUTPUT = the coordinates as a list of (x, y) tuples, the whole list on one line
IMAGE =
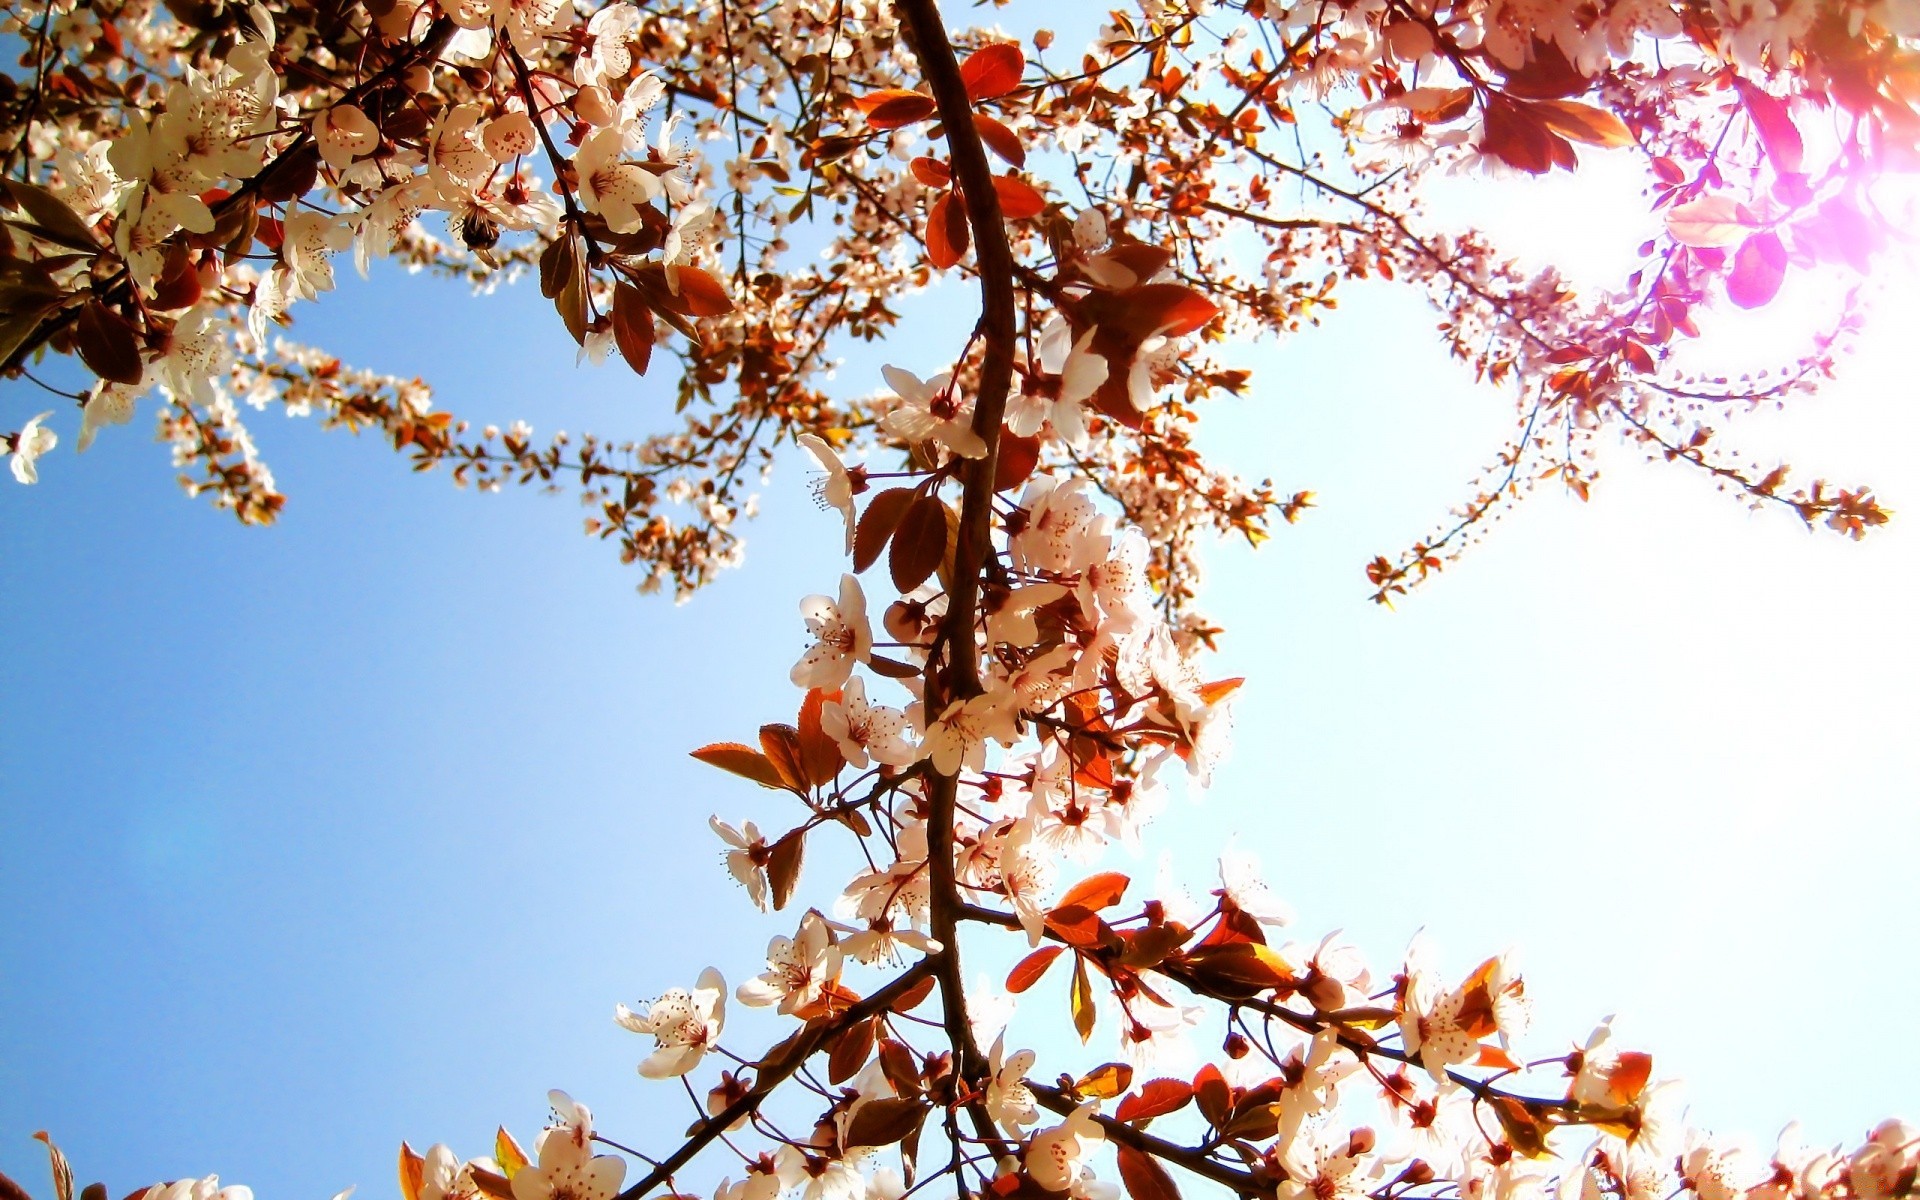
[(743, 761), (992, 71), (1028, 970)]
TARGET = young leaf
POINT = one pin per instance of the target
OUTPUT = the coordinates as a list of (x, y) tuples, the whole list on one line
[(62, 1173), (743, 761), (1759, 267), (1584, 123), (885, 1121), (918, 543), (890, 108), (55, 222), (1105, 1082), (413, 1169), (700, 294), (1774, 124), (1082, 999), (1015, 461), (508, 1153)]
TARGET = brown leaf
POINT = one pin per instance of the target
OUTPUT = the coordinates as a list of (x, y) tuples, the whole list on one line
[(999, 139), (947, 234), (632, 327), (781, 744), (850, 1052), (892, 668), (1526, 1130), (556, 265), (57, 1162), (743, 761), (700, 294), (1028, 970), (413, 1169), (1156, 1098), (914, 996), (1105, 1082), (1144, 1177), (53, 221), (877, 524), (1240, 966), (885, 1121), (107, 343), (992, 71), (931, 171), (820, 755), (1547, 75), (899, 1066), (1095, 892), (783, 865), (918, 544), (1211, 1092)]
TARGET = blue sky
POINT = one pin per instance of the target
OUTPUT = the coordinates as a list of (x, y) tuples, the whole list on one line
[(355, 829)]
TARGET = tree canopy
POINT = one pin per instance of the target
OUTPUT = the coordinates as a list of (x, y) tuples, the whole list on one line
[(1007, 662)]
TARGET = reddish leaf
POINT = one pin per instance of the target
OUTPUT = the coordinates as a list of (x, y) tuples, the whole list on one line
[(1167, 309), (743, 761), (898, 1065), (1018, 198), (919, 543), (107, 343), (1774, 124), (1629, 1077), (999, 139), (1214, 1097), (1143, 1175), (914, 996), (179, 284), (877, 525), (1547, 75), (1028, 970), (632, 327), (413, 1169), (947, 235), (931, 171), (1095, 892), (1518, 136), (993, 71), (820, 756), (781, 744), (890, 108), (783, 865), (1078, 927), (1244, 965), (1156, 1098), (850, 1052), (1016, 458), (1759, 267)]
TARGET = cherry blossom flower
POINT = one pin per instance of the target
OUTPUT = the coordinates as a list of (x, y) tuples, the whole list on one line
[(799, 969), (686, 1024), (109, 404), (1056, 1157), (747, 859), (444, 1177), (26, 447), (958, 739), (616, 189), (836, 490), (343, 133), (566, 1167), (842, 637), (930, 410), (1241, 881), (1009, 1100), (1324, 1163), (861, 730), (199, 1189), (819, 1177)]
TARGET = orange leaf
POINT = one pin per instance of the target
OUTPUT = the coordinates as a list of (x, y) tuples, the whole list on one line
[(931, 171), (1018, 198), (1105, 1081), (999, 139), (781, 744), (1584, 123), (877, 524), (1167, 309), (993, 71), (743, 761), (632, 327), (1494, 1056), (413, 1170), (700, 294), (1629, 1077), (947, 236), (1028, 970), (783, 865), (820, 755), (1095, 892), (1015, 460), (890, 108)]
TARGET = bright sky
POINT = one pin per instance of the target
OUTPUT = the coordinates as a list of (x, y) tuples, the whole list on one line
[(356, 829)]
